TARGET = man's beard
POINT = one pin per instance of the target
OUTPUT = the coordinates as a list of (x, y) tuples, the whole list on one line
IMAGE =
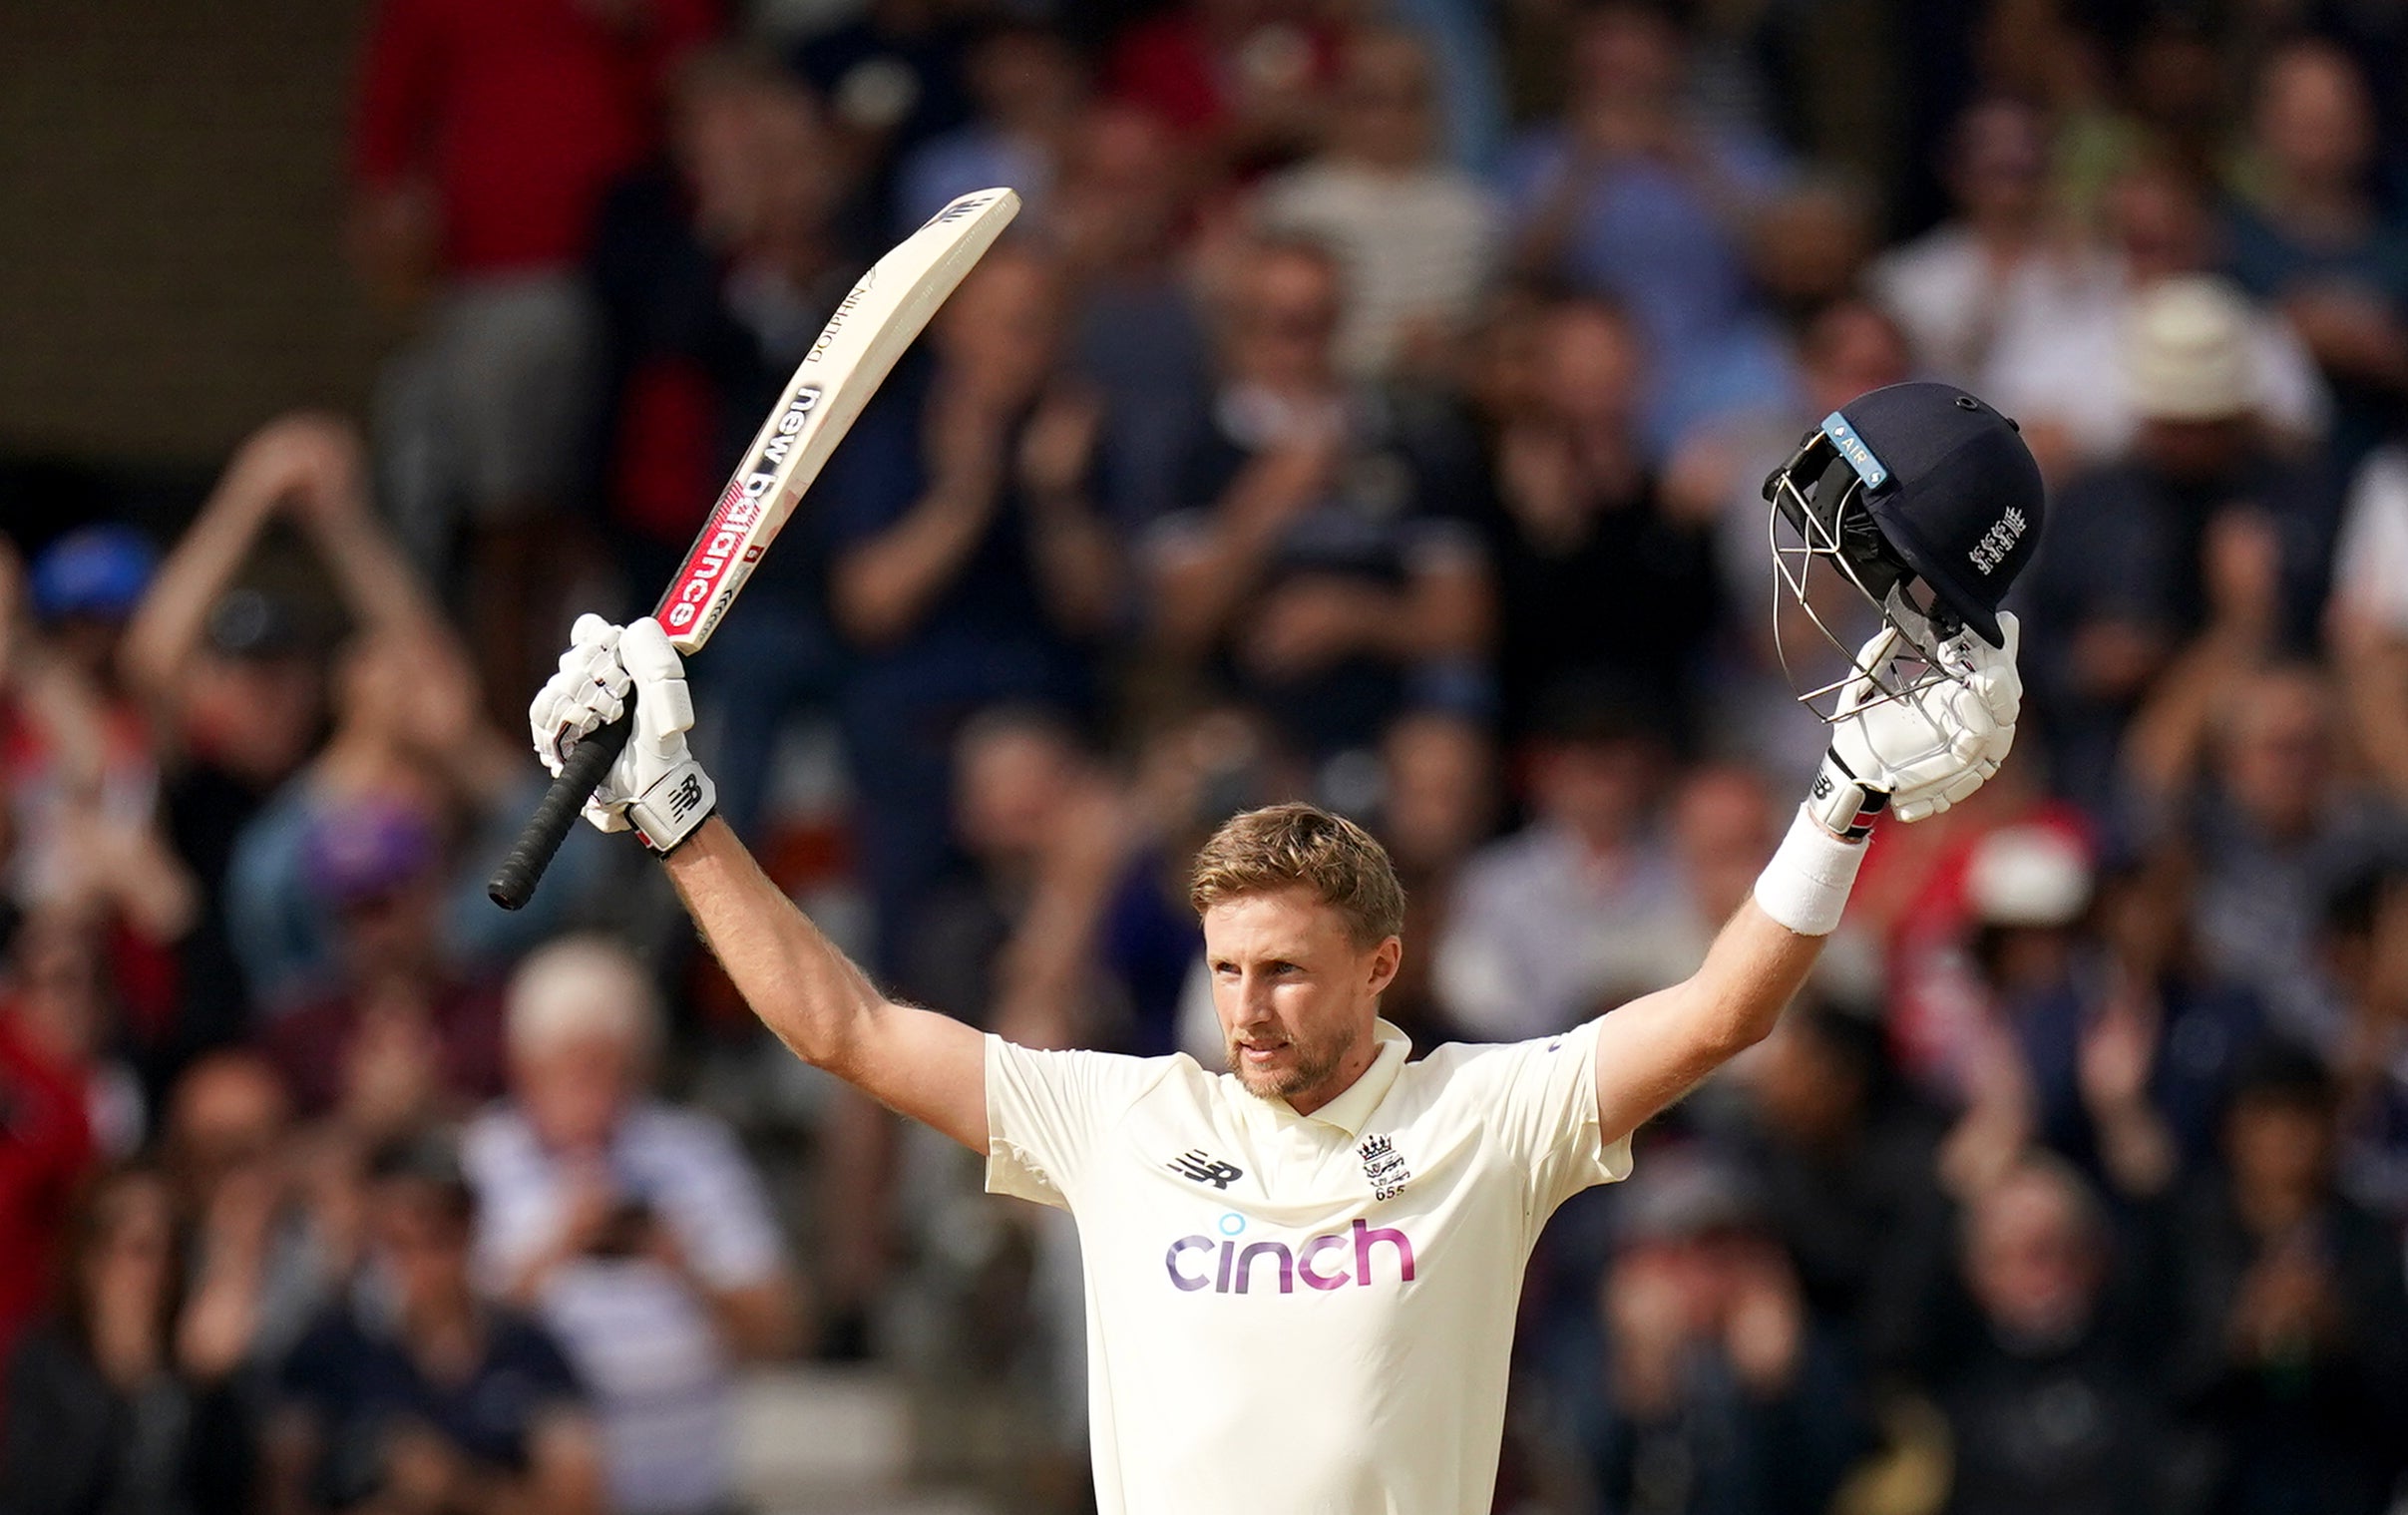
[(1313, 1063)]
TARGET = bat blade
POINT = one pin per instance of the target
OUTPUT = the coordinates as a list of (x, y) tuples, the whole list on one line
[(873, 326), (857, 349)]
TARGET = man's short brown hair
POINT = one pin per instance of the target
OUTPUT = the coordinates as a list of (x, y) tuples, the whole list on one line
[(1302, 847)]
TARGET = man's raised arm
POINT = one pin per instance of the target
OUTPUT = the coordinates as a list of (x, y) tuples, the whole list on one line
[(925, 1065), (1912, 756)]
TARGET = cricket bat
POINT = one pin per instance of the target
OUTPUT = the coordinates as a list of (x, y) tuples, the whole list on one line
[(851, 357)]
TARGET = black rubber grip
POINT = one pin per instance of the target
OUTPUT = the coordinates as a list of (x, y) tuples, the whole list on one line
[(513, 884)]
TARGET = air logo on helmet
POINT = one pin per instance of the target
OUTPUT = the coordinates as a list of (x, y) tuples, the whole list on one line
[(1852, 447), (1997, 542)]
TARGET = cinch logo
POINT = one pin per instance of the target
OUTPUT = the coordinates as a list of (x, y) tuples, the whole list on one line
[(1233, 1270), (1997, 542)]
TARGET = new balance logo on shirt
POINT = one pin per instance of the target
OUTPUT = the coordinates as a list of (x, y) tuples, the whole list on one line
[(1196, 1164)]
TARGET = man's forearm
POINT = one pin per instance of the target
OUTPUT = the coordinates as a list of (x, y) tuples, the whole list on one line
[(1655, 1048), (804, 990)]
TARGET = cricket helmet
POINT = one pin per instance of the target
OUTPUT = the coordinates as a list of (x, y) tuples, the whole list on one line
[(1927, 503)]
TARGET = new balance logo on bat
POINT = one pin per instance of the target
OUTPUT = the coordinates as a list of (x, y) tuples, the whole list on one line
[(1196, 1164), (968, 205)]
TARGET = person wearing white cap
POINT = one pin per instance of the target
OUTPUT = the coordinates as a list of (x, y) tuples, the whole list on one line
[(2120, 584), (2061, 360)]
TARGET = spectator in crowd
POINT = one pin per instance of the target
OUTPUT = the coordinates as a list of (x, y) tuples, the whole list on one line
[(892, 75), (1137, 336), (1417, 241), (398, 1038), (2365, 952), (1599, 571), (1581, 908), (1008, 938), (80, 782), (2084, 1047), (637, 1231), (2049, 1399), (268, 1251), (2162, 1004), (969, 565), (2275, 822), (1954, 287), (103, 1414), (56, 1001), (2124, 576), (2060, 357), (1725, 1395), (1637, 199), (220, 666), (1842, 1155), (482, 146), (235, 697), (1317, 562), (428, 1395), (45, 1146), (2295, 1339), (1026, 86), (2308, 234), (1243, 80)]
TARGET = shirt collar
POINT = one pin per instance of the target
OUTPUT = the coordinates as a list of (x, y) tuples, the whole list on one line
[(1350, 1112)]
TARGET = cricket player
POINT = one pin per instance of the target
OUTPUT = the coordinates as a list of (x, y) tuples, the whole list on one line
[(1301, 1269)]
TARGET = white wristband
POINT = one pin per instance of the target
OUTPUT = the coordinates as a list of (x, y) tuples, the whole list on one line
[(1805, 885)]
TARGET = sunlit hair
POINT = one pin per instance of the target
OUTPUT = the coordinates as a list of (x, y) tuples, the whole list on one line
[(1295, 846), (579, 987)]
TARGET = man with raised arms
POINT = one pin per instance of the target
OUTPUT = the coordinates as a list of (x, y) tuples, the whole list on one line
[(1302, 1271)]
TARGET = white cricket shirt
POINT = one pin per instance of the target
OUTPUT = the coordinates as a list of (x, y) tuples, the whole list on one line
[(1301, 1313)]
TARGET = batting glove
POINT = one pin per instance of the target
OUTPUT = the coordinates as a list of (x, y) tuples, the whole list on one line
[(1918, 754), (654, 787)]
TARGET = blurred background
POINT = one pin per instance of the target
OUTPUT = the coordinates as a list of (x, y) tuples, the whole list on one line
[(1370, 405)]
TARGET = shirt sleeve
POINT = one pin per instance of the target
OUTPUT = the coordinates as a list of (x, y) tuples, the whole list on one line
[(1047, 1113), (1545, 1111)]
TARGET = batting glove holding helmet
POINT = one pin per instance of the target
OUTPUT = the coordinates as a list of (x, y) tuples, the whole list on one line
[(654, 787), (1917, 753)]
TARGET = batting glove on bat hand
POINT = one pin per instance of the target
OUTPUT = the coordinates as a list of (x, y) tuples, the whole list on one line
[(654, 786), (1925, 750)]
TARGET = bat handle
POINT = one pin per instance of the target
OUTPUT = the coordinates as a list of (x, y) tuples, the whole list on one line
[(513, 884)]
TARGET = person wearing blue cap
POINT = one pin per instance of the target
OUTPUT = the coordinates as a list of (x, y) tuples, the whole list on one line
[(84, 587)]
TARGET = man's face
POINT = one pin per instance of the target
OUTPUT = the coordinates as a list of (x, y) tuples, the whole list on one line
[(423, 1246), (1283, 322), (1295, 995), (2029, 1263), (574, 1090)]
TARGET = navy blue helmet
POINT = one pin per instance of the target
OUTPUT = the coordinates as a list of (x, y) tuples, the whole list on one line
[(1922, 497)]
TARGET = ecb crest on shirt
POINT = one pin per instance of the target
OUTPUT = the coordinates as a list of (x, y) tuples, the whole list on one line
[(1384, 1166)]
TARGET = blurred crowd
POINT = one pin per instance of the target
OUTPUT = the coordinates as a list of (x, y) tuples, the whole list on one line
[(1370, 404)]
